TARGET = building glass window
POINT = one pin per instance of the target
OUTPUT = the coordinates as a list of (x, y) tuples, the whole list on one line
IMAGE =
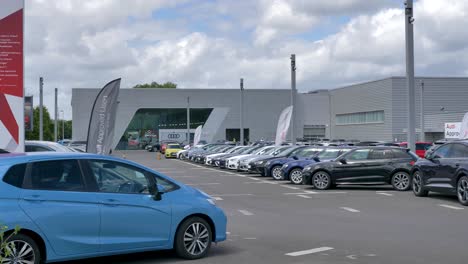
[(148, 126), (360, 118)]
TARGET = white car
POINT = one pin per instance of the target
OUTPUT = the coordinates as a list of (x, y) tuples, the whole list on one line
[(232, 163), (209, 158), (268, 151)]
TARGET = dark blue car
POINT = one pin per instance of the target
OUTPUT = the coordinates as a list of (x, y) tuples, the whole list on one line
[(273, 167), (292, 170)]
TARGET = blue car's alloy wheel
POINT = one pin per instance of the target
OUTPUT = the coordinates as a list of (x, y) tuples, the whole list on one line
[(22, 249), (193, 238), (296, 176), (276, 173)]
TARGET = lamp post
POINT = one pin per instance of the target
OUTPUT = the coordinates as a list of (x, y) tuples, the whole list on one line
[(293, 98), (188, 120), (63, 124), (241, 111), (423, 136), (411, 133)]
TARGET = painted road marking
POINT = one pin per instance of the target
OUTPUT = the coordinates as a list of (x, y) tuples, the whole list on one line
[(269, 182), (304, 196), (290, 187), (305, 192), (384, 193), (245, 212), (250, 238), (231, 195), (350, 209), (451, 207), (218, 198), (309, 251), (252, 182), (201, 184)]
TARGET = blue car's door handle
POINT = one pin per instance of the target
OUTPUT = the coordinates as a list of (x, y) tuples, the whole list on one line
[(33, 198), (110, 202)]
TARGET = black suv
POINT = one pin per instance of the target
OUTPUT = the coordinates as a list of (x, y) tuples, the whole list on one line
[(364, 166), (444, 170)]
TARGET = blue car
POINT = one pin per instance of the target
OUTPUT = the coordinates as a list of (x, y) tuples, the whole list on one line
[(292, 170), (77, 205), (273, 166)]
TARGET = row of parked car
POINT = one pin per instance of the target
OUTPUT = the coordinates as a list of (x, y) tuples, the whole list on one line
[(443, 168)]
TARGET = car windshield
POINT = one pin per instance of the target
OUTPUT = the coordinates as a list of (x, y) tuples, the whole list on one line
[(285, 151), (173, 146), (307, 152), (423, 146), (262, 151), (270, 151)]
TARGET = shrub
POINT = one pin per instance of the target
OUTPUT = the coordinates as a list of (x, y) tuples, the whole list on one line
[(5, 248)]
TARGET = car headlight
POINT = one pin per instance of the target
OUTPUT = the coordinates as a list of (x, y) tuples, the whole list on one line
[(267, 163), (211, 201), (285, 166)]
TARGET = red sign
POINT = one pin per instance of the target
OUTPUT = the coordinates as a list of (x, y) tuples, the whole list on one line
[(11, 75)]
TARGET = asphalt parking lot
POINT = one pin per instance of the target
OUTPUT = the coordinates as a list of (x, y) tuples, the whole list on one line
[(276, 222)]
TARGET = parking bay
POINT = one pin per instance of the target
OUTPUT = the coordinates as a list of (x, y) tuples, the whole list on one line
[(276, 222)]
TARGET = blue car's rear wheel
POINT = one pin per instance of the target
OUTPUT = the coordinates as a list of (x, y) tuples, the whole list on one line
[(193, 238), (21, 249)]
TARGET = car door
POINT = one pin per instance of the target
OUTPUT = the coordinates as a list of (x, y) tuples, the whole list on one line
[(379, 166), (56, 197), (130, 217), (353, 170), (443, 161)]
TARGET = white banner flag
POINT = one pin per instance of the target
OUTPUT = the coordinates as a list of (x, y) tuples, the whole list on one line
[(464, 127), (283, 125), (197, 136)]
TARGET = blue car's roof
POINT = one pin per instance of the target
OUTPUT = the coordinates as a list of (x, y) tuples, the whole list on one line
[(13, 158)]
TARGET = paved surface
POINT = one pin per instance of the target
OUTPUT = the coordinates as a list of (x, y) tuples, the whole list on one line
[(276, 222)]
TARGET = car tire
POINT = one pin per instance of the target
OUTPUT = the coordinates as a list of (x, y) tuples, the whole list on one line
[(321, 180), (295, 176), (275, 172), (31, 252), (401, 181), (417, 184), (462, 190), (199, 231)]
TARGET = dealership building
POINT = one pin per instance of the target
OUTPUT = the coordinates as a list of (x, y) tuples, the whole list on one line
[(375, 110)]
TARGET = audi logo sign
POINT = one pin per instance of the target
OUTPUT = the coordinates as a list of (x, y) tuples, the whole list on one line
[(173, 136)]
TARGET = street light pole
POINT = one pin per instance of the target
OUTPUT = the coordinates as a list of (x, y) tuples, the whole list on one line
[(63, 124), (188, 120), (55, 117), (41, 128), (241, 111), (411, 133), (293, 98), (423, 136)]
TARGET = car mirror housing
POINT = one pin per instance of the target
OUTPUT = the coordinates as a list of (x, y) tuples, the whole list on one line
[(317, 159), (342, 160), (294, 157)]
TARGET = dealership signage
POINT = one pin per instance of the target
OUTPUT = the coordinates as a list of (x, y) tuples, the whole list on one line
[(11, 75), (179, 135), (452, 130)]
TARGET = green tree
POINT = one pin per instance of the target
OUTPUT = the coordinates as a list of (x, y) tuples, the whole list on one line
[(48, 126), (156, 85), (6, 248)]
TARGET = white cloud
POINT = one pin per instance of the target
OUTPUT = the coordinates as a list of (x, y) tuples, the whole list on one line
[(87, 43)]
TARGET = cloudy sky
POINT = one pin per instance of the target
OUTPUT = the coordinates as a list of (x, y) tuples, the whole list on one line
[(212, 43)]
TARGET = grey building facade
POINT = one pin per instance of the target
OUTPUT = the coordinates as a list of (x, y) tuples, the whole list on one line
[(375, 110)]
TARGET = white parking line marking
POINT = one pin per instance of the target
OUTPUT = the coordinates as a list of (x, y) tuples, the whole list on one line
[(309, 251), (228, 233), (252, 182), (304, 196), (384, 193), (305, 192), (290, 187), (218, 198), (269, 182), (350, 209), (245, 212), (250, 238), (451, 207), (201, 184), (231, 195), (255, 179)]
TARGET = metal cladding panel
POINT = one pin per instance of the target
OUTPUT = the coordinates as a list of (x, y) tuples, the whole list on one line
[(366, 97), (445, 100), (261, 108)]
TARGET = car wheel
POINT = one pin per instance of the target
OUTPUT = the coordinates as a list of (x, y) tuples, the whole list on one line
[(276, 172), (22, 249), (462, 190), (296, 176), (321, 180), (417, 184), (193, 238), (401, 181)]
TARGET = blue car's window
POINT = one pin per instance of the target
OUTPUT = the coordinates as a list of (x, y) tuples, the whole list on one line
[(57, 175), (117, 177), (15, 175)]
